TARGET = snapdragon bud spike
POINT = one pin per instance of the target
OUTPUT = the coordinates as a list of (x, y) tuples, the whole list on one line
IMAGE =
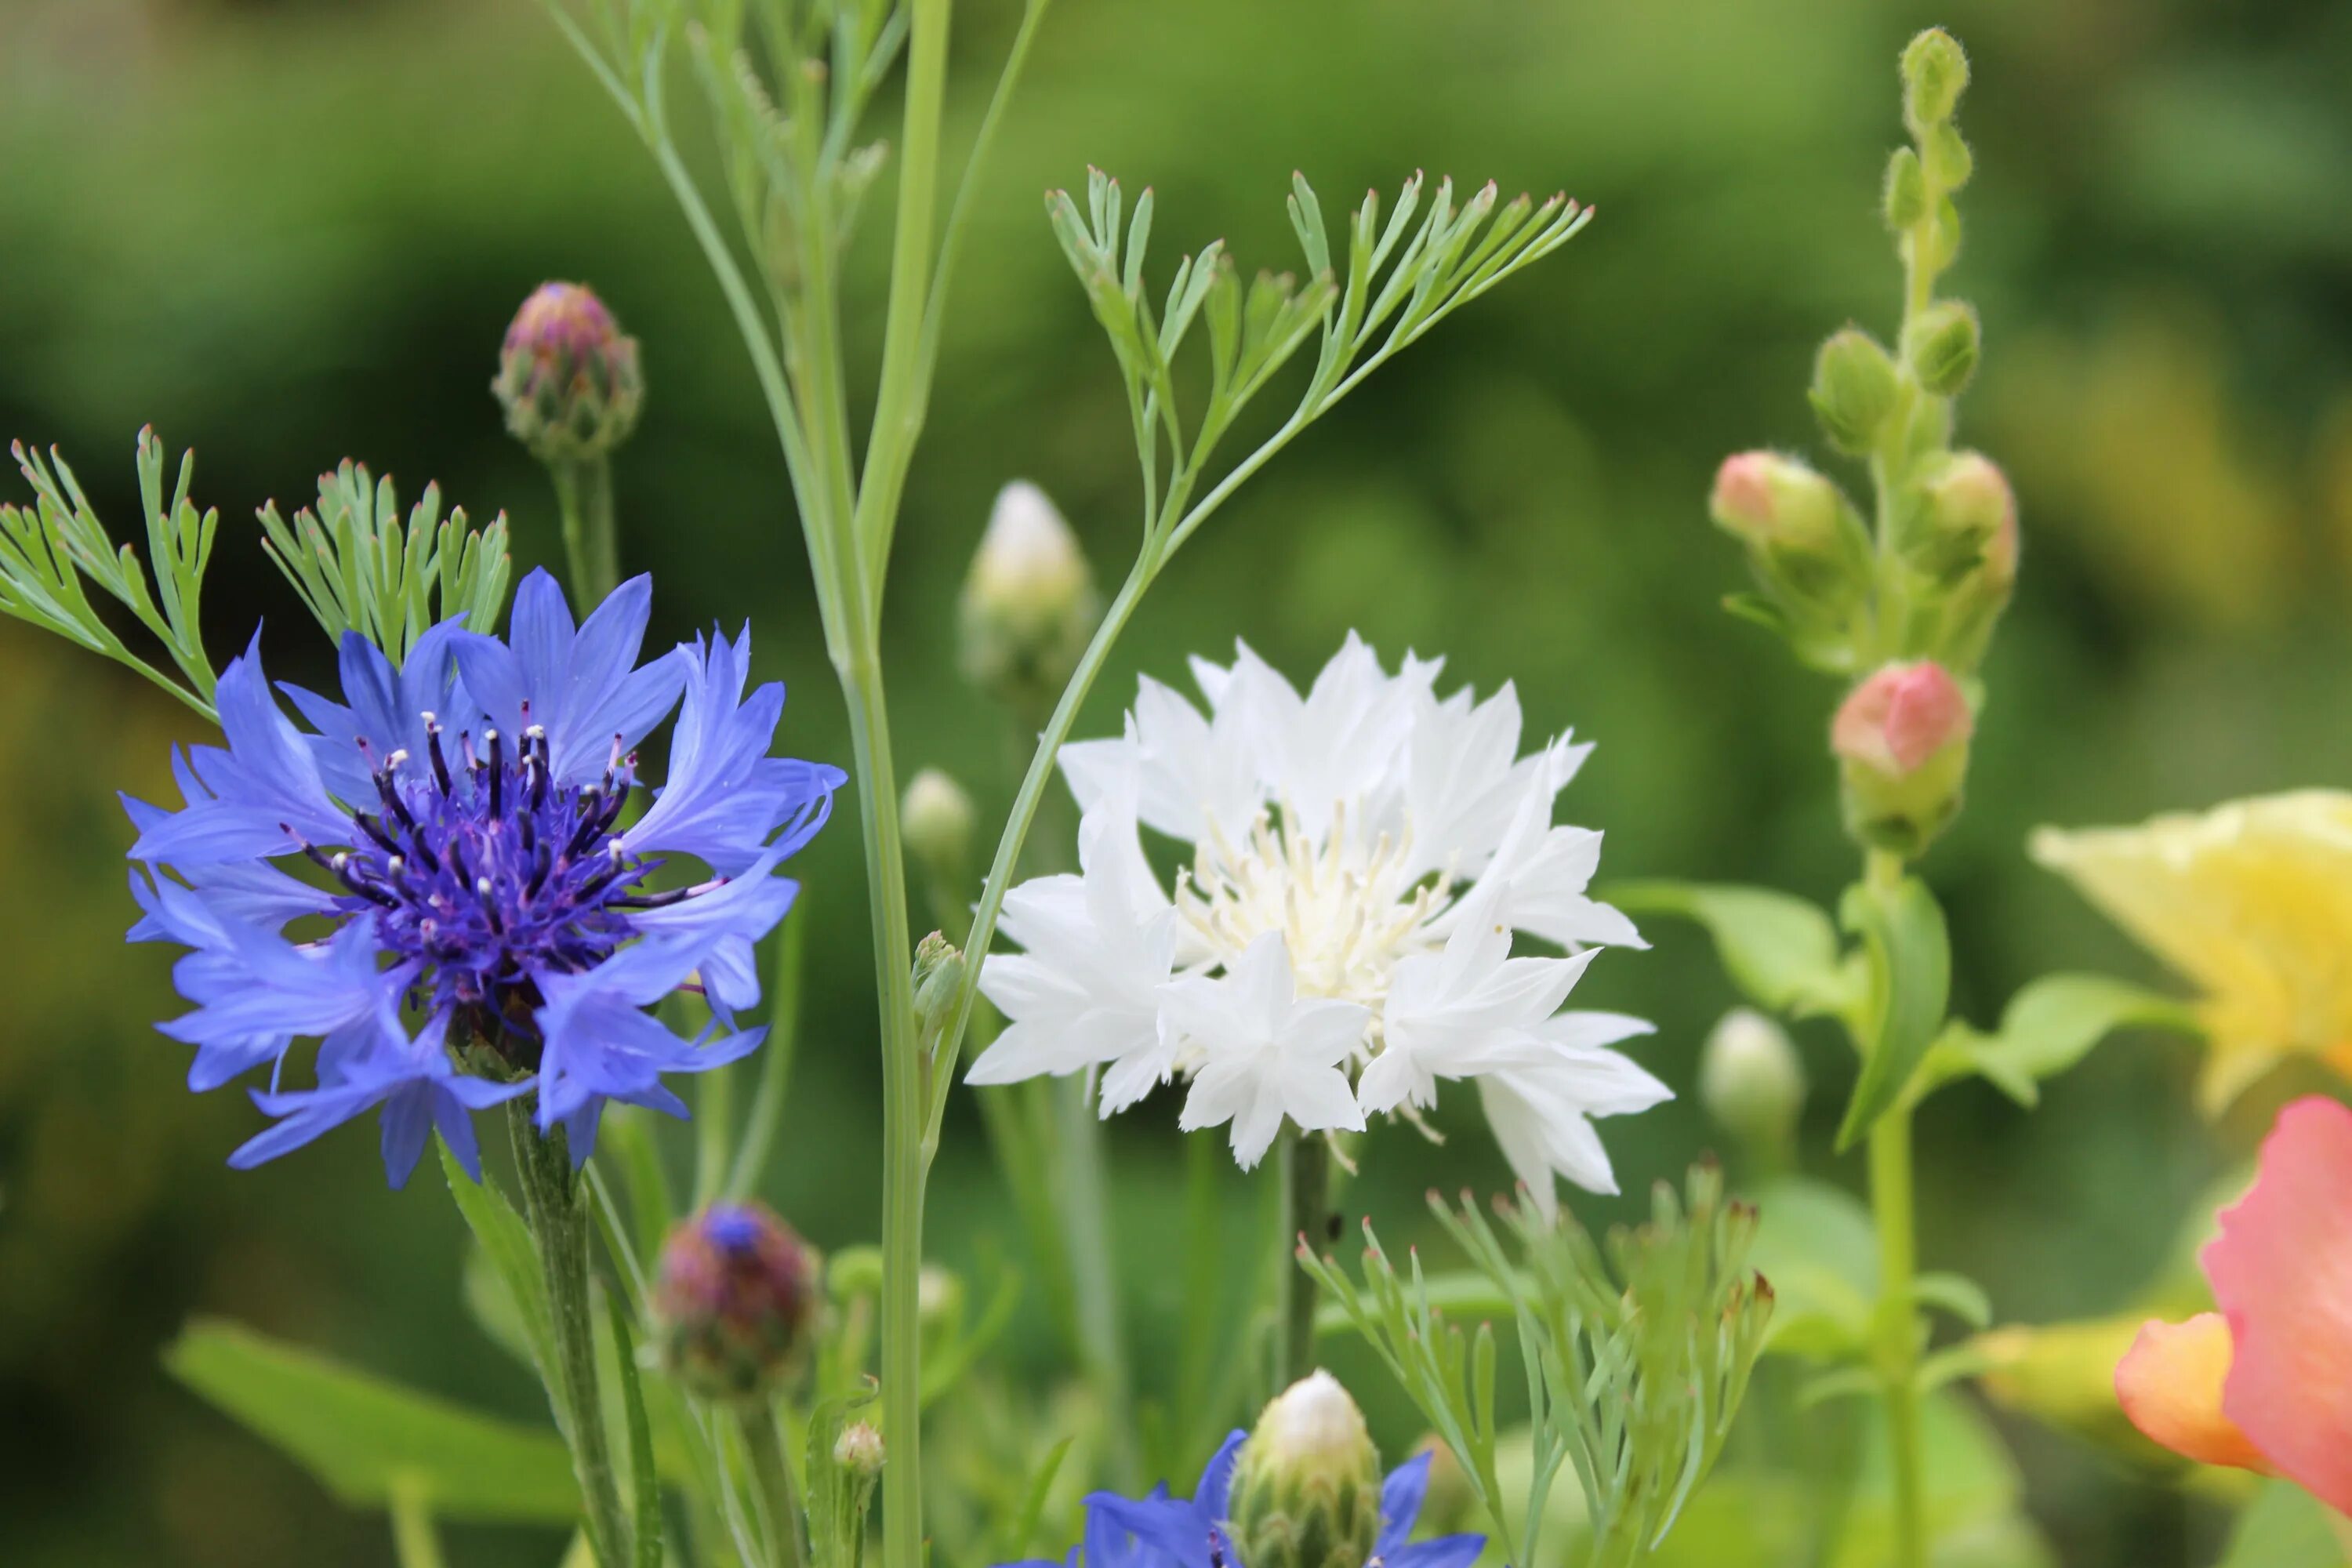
[(736, 1302)]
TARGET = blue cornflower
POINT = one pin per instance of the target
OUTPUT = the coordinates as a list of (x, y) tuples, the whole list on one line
[(468, 810), (1156, 1531)]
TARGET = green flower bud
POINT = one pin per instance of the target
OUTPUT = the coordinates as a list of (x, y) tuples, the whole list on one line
[(1966, 499), (938, 976), (1947, 157), (736, 1302), (568, 376), (858, 1450), (1306, 1485), (1752, 1083), (1940, 346), (1854, 390), (936, 820), (1029, 603), (1935, 74), (1765, 498), (1906, 196), (1902, 742)]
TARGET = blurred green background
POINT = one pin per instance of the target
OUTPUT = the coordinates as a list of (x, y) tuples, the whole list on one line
[(288, 233)]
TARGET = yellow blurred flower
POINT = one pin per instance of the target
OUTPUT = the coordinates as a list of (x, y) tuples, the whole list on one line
[(2253, 902)]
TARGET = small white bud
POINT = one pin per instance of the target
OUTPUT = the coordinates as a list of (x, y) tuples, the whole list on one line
[(1029, 602), (1751, 1081), (936, 820)]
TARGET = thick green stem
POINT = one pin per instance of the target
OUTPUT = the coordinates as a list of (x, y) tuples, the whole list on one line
[(555, 1205), (584, 494), (1898, 1347), (782, 1517), (1304, 1159), (414, 1542)]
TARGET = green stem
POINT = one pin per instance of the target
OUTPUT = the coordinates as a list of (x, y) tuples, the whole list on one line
[(1898, 1349), (1305, 1172), (584, 494), (1084, 1190), (782, 1517), (554, 1203), (414, 1542)]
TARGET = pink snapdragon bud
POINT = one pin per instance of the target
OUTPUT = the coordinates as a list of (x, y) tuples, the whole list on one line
[(1901, 738), (1766, 499), (1969, 497), (568, 375), (735, 1301)]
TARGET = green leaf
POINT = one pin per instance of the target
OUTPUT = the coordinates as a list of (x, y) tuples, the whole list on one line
[(2048, 1026), (1956, 1294), (364, 1438), (2285, 1527), (1779, 949), (644, 1480), (506, 1243), (1910, 968), (1815, 1243)]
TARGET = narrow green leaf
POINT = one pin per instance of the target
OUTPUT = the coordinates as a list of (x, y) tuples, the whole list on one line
[(1910, 966), (1957, 1294), (506, 1242), (645, 1480), (364, 1438)]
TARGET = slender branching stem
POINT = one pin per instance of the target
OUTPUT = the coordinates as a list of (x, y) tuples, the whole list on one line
[(778, 1498)]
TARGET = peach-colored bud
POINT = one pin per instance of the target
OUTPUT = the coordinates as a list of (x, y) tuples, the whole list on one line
[(1766, 498), (1970, 493), (1900, 718)]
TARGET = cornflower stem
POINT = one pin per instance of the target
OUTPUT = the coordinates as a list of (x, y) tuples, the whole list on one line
[(414, 1542), (1305, 1172), (1892, 1210), (1085, 1221), (555, 1206), (584, 498), (777, 1495)]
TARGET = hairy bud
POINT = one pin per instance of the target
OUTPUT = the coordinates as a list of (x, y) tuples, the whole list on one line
[(1854, 388), (736, 1302), (1940, 346), (938, 976), (1905, 195), (1967, 500), (936, 820), (1935, 74), (568, 376), (1306, 1486), (1752, 1083), (1029, 603), (1902, 742), (858, 1450)]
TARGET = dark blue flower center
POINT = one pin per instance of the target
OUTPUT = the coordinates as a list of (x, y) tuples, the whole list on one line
[(491, 873)]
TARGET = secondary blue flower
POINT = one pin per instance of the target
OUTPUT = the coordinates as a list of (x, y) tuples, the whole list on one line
[(1156, 1531), (469, 810)]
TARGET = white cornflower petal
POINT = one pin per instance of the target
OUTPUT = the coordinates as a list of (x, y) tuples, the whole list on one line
[(1268, 1053), (1356, 862)]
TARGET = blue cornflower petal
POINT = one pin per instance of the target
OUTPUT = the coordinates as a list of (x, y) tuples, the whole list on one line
[(266, 783), (576, 685), (726, 797), (255, 985), (253, 892), (1400, 1497), (383, 709), (1444, 1551), (413, 1080)]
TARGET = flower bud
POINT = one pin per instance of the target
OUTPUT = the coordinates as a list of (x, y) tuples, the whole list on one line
[(1854, 390), (936, 820), (1935, 74), (858, 1450), (736, 1302), (939, 977), (1948, 158), (1450, 1504), (1765, 498), (1029, 603), (1906, 197), (568, 376), (1967, 500), (1940, 346), (1306, 1485), (1902, 740), (1751, 1082)]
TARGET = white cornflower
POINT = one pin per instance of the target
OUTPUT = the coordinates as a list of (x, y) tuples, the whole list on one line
[(1361, 857)]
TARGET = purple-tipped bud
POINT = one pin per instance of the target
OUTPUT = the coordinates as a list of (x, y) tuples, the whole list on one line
[(568, 375), (736, 1304)]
